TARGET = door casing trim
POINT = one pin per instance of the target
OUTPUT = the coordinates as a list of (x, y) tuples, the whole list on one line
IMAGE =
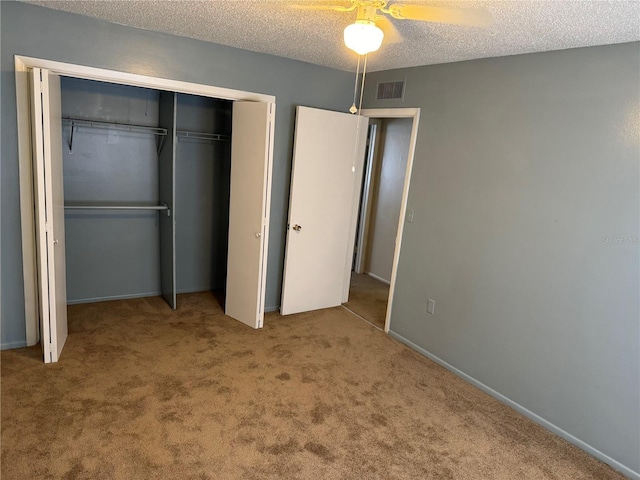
[(413, 113)]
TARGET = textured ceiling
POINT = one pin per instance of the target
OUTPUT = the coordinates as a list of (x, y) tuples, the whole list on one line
[(272, 26)]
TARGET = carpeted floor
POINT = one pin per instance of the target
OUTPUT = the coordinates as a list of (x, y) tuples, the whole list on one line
[(143, 392), (368, 298)]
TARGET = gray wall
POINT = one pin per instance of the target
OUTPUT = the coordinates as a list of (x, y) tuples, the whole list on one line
[(110, 254), (39, 32), (526, 197), (391, 167)]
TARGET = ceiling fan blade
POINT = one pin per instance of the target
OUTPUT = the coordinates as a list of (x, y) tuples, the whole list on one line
[(391, 34), (318, 7), (458, 16)]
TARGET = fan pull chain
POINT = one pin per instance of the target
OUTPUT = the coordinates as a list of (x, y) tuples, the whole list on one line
[(359, 109), (353, 108), (364, 74)]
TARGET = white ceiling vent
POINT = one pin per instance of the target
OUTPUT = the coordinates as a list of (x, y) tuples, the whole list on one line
[(389, 90)]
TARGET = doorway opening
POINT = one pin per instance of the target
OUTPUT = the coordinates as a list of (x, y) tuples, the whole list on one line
[(382, 210)]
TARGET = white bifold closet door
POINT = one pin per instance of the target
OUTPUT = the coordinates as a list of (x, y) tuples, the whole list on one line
[(251, 163), (326, 179), (46, 113)]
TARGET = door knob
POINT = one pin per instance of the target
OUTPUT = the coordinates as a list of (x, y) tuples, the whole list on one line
[(258, 234), (55, 242), (297, 227)]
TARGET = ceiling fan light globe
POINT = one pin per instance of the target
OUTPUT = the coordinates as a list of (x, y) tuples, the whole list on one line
[(363, 37)]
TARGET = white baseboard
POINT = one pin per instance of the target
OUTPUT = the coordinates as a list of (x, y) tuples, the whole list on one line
[(524, 411), (114, 297), (380, 279), (12, 345)]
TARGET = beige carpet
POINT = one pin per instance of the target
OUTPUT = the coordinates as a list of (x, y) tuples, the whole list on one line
[(368, 298), (143, 392)]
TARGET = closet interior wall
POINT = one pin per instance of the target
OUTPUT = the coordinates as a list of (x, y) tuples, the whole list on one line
[(113, 254), (110, 253), (203, 176)]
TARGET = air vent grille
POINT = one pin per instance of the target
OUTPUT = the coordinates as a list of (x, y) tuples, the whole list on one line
[(388, 90)]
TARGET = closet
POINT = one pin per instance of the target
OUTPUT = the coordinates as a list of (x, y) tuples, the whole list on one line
[(146, 191), (140, 221)]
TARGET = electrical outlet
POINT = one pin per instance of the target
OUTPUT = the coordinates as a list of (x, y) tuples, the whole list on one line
[(431, 306)]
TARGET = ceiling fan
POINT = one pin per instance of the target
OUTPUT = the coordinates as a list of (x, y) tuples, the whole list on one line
[(372, 23)]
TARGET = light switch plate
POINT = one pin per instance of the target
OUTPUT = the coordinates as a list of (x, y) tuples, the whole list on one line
[(431, 306), (410, 213)]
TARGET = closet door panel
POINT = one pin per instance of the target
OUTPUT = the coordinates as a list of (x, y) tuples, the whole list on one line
[(166, 169), (251, 163), (49, 211)]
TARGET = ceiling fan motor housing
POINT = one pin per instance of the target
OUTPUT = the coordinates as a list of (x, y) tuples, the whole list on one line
[(367, 12)]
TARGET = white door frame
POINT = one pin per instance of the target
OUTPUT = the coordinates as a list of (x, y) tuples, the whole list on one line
[(413, 113), (22, 65)]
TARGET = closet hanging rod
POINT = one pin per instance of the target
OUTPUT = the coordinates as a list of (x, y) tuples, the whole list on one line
[(119, 207), (202, 136)]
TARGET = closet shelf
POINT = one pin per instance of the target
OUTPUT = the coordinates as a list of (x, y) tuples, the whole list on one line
[(216, 137), (129, 127), (164, 208), (123, 127)]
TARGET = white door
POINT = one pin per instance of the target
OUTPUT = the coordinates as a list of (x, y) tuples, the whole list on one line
[(49, 210), (326, 178), (249, 203)]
